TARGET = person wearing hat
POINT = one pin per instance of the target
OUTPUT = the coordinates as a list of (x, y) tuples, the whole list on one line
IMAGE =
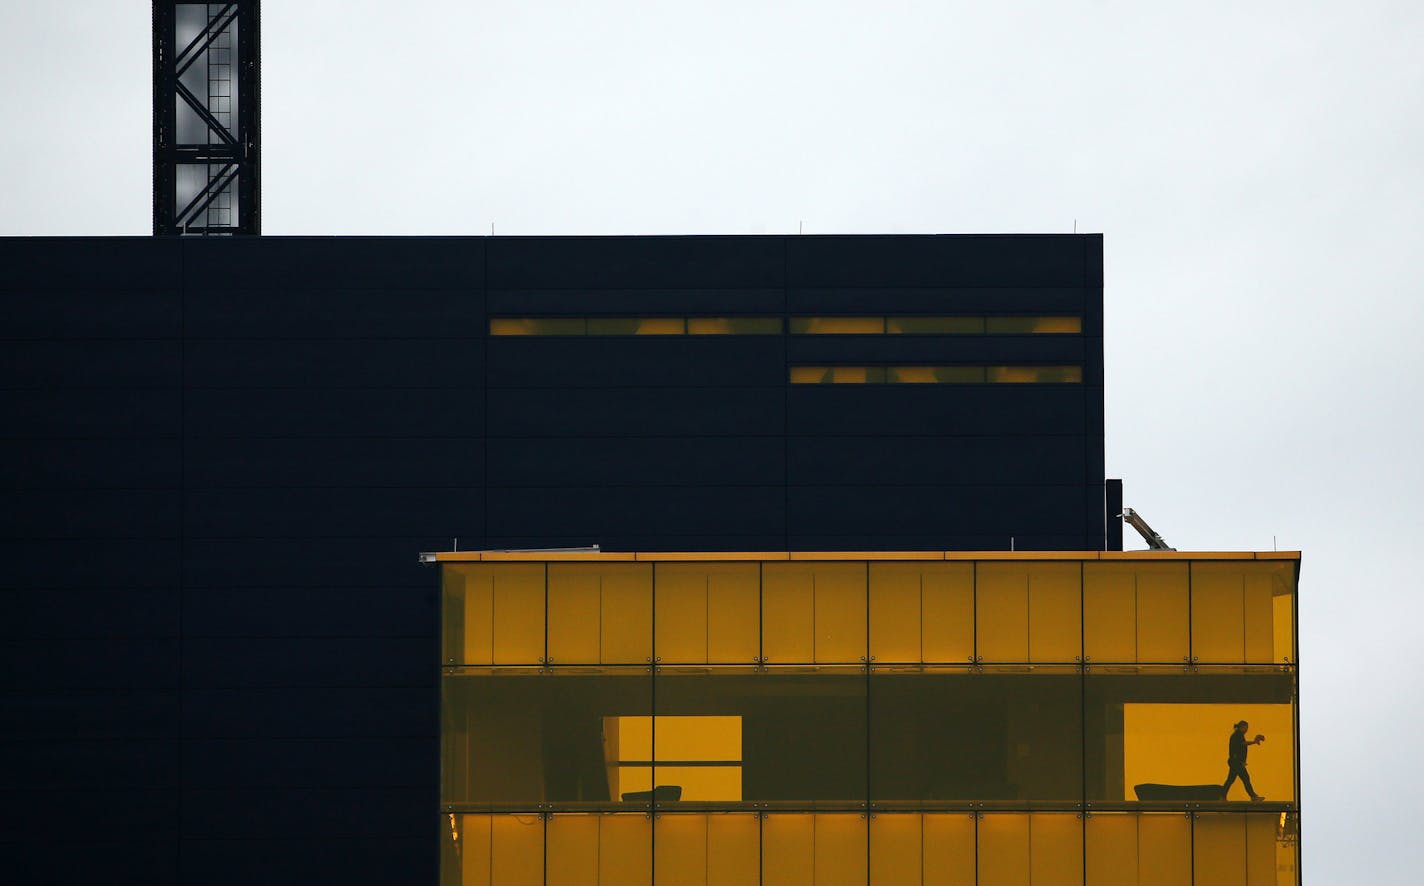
[(1236, 760)]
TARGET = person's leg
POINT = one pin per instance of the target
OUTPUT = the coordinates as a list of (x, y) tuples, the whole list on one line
[(1246, 782), (1230, 779)]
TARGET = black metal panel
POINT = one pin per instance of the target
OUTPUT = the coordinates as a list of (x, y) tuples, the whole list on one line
[(223, 454)]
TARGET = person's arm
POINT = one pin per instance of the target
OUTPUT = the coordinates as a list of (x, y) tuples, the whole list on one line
[(1259, 739)]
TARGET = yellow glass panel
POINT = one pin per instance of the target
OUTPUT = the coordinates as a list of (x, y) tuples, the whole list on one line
[(707, 738), (957, 375), (1236, 616), (682, 611), (840, 850), (518, 612), (1219, 849), (680, 850), (895, 612), (1034, 374), (1186, 744), (1287, 851), (838, 375), (1054, 612), (1109, 612), (627, 612), (788, 850), (625, 850), (896, 857), (837, 325), (1033, 325), (537, 326), (840, 612), (1111, 850), (1004, 850), (707, 612), (733, 613), (1261, 849), (1001, 611), (734, 325), (810, 375), (1164, 850), (934, 325), (948, 620), (788, 613), (1283, 623), (472, 852), (468, 617), (939, 375), (911, 375), (1162, 612), (571, 857), (1218, 612), (949, 850), (636, 326), (703, 784), (1258, 628), (1056, 857), (733, 849), (517, 850), (574, 613), (494, 613)]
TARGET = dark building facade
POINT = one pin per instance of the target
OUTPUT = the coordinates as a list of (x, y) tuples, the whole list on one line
[(223, 455)]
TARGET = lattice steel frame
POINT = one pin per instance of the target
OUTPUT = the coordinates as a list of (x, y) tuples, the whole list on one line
[(228, 161)]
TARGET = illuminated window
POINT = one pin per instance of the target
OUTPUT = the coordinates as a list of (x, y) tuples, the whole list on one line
[(941, 375), (538, 326), (733, 325), (1035, 374), (910, 325), (601, 326), (934, 325), (837, 375), (636, 326), (678, 758), (837, 325), (1033, 325)]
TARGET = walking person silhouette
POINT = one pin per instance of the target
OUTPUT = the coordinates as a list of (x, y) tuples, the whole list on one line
[(1236, 760)]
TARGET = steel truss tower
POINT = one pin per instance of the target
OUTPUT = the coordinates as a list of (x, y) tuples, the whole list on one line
[(207, 146)]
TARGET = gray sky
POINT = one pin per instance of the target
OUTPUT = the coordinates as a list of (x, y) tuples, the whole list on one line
[(1255, 167)]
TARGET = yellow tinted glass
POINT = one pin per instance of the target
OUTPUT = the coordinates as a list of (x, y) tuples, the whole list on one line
[(837, 375), (934, 325), (537, 326), (1034, 374), (734, 325), (837, 325), (636, 326), (1033, 325)]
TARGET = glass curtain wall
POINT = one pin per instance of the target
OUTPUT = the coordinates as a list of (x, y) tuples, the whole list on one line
[(905, 721)]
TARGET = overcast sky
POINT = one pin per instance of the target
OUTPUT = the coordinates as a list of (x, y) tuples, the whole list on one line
[(1255, 168)]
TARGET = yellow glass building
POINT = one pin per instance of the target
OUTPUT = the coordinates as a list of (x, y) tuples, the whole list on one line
[(844, 719)]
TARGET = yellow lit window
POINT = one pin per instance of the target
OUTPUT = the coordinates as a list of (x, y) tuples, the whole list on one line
[(941, 375), (1033, 325), (934, 325), (937, 375), (538, 326), (837, 325), (733, 325), (682, 758), (1035, 374), (636, 326), (837, 375)]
